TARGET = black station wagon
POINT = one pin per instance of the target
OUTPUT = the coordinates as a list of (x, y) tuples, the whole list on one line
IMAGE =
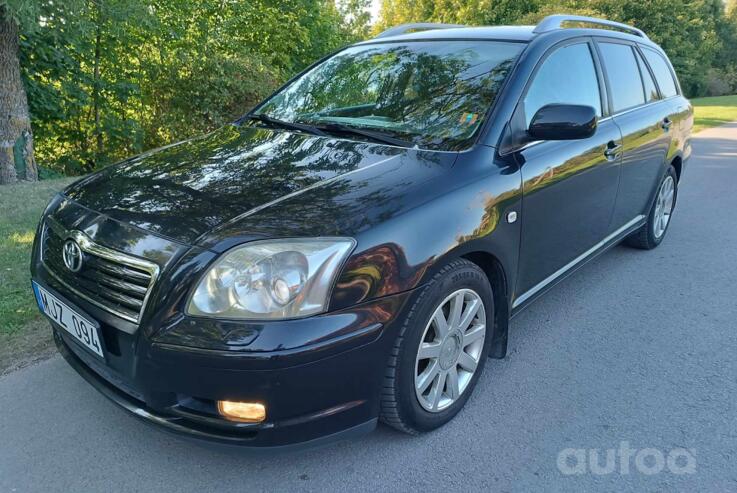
[(353, 249)]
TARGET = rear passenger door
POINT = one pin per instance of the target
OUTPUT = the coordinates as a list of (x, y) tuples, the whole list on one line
[(569, 186), (644, 118), (681, 115)]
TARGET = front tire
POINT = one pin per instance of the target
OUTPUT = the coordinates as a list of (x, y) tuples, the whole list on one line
[(652, 233), (440, 351)]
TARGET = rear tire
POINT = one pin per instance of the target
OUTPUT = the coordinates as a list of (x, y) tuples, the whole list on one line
[(653, 231), (428, 378)]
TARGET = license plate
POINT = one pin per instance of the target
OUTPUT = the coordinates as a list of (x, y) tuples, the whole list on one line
[(82, 328)]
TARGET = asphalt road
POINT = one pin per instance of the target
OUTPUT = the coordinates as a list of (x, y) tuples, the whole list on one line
[(637, 350)]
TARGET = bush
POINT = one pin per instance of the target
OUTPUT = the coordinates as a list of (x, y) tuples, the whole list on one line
[(45, 173), (717, 83)]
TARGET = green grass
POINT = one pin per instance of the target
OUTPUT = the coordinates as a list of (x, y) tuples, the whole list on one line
[(20, 208), (711, 112)]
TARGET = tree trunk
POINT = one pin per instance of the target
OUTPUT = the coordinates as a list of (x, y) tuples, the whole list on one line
[(16, 136)]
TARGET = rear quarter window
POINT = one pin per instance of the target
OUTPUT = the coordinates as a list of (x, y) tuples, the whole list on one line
[(651, 93), (662, 72)]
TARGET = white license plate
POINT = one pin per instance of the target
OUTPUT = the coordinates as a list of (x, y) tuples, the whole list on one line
[(82, 328)]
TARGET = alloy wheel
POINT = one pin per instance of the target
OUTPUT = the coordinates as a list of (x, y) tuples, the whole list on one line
[(663, 206), (450, 350)]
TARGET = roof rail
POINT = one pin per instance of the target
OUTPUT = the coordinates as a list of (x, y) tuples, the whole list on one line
[(417, 26), (553, 22)]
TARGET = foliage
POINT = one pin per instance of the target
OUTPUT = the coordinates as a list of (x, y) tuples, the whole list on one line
[(110, 78), (23, 12), (718, 83), (356, 16), (697, 34)]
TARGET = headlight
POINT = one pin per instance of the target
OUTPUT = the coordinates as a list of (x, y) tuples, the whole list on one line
[(271, 279)]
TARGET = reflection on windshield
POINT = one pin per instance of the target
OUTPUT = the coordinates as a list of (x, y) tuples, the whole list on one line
[(433, 94)]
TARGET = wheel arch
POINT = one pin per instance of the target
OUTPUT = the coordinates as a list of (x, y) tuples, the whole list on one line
[(675, 160), (677, 163), (497, 277), (498, 272)]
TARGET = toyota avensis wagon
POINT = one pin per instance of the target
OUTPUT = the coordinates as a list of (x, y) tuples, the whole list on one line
[(354, 248)]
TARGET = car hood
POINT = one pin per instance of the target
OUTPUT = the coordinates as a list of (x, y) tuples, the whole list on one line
[(195, 187)]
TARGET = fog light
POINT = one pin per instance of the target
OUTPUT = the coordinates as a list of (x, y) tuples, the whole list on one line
[(246, 412)]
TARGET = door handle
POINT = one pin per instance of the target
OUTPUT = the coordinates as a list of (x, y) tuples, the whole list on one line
[(612, 149), (666, 124)]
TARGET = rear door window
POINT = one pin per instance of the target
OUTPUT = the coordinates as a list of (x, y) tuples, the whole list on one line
[(662, 73), (651, 93), (624, 76), (568, 76)]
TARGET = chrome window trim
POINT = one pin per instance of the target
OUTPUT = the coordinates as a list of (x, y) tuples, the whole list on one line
[(87, 245), (573, 263), (606, 118), (638, 107)]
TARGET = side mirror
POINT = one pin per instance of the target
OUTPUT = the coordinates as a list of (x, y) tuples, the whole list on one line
[(563, 122)]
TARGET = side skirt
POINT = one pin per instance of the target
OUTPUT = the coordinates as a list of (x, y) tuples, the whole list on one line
[(525, 299)]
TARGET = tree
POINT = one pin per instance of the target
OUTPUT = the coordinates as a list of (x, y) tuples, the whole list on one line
[(697, 35), (469, 12), (16, 136), (110, 78), (357, 17), (731, 9)]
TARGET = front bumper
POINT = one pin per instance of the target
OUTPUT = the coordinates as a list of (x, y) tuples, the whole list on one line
[(321, 392), (318, 377)]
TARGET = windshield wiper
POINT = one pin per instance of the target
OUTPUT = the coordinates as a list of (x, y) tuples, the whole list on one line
[(370, 134), (324, 129), (285, 124)]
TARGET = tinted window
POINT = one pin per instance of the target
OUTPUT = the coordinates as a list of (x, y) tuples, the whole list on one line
[(434, 94), (568, 76), (651, 93), (662, 73), (623, 74)]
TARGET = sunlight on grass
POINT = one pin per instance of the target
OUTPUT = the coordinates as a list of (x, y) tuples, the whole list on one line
[(712, 112), (22, 238)]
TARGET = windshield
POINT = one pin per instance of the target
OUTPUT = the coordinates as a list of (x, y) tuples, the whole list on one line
[(434, 95)]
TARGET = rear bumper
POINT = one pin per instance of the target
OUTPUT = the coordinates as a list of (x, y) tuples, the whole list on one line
[(315, 394)]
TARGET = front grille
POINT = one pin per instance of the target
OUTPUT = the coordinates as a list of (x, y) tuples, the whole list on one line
[(114, 281)]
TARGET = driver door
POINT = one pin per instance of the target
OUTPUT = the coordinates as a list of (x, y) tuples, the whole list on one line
[(569, 186)]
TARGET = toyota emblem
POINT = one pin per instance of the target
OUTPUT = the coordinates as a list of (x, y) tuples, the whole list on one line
[(72, 256)]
